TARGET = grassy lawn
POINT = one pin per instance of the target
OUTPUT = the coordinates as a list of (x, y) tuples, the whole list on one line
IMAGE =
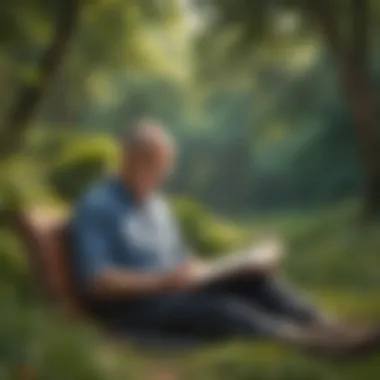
[(53, 349), (330, 256), (244, 361)]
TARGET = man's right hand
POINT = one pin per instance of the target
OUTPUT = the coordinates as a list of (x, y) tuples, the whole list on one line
[(182, 278)]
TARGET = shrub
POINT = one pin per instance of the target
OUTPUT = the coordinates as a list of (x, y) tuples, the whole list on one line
[(208, 234), (80, 164), (13, 263)]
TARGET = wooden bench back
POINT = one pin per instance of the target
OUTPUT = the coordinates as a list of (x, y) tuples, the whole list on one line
[(45, 234)]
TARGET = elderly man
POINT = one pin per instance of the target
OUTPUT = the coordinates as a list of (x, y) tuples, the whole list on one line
[(133, 270)]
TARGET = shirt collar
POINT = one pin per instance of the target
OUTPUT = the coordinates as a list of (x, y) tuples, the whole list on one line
[(122, 190), (126, 194)]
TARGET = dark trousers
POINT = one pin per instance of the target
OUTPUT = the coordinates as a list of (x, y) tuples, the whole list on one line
[(235, 308)]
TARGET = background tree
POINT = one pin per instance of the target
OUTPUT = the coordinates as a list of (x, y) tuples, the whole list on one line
[(344, 26), (119, 36), (66, 14)]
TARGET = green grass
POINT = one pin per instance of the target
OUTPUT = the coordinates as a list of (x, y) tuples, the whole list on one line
[(271, 361), (331, 257), (53, 349), (329, 248)]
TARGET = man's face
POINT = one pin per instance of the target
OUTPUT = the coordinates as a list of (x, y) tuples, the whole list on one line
[(149, 167)]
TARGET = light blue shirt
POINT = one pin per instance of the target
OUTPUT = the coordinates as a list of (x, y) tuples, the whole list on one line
[(110, 230)]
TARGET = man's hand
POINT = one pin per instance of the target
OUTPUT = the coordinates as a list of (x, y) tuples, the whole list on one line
[(184, 277), (114, 282)]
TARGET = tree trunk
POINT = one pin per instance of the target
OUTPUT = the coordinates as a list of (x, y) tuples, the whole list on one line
[(355, 79), (12, 133), (357, 86)]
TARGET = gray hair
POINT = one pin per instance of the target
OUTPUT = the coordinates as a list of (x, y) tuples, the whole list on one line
[(146, 132)]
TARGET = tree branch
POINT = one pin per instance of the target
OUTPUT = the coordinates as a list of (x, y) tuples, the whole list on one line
[(13, 131), (323, 12), (360, 28)]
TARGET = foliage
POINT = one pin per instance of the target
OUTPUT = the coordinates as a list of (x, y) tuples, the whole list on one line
[(14, 271), (82, 162), (342, 253), (206, 233), (242, 139), (35, 343), (344, 27), (261, 126)]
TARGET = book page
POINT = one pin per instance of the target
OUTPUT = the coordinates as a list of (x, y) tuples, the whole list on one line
[(260, 257)]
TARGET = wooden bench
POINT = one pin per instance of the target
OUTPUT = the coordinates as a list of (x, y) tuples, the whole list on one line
[(45, 234)]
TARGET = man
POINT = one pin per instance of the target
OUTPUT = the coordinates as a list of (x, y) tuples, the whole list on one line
[(134, 272)]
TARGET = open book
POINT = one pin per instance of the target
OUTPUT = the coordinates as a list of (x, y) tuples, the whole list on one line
[(256, 259)]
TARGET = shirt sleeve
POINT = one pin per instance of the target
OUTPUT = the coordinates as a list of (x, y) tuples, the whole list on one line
[(92, 243)]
